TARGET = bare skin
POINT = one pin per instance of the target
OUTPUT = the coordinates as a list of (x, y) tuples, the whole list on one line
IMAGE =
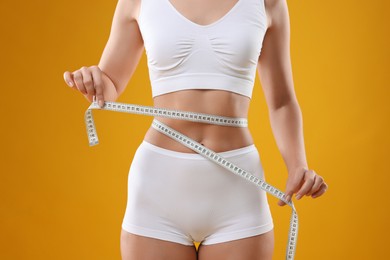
[(120, 58)]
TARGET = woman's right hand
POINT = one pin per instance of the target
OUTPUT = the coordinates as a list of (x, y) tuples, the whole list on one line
[(90, 81)]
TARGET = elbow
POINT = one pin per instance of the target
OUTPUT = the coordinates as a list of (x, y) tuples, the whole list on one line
[(120, 89), (290, 102)]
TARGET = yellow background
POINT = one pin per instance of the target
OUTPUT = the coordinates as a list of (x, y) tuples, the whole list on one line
[(61, 199)]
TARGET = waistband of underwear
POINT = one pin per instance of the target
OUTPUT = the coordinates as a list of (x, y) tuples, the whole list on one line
[(226, 154)]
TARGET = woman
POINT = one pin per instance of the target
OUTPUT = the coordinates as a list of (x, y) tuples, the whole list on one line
[(202, 57)]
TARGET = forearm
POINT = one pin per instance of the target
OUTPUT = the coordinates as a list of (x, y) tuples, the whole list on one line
[(287, 126)]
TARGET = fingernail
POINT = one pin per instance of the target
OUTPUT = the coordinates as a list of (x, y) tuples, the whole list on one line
[(101, 103), (298, 196), (70, 84)]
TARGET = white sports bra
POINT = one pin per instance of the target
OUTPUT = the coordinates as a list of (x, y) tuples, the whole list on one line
[(182, 54)]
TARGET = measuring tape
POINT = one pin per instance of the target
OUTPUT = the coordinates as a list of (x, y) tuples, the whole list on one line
[(197, 147)]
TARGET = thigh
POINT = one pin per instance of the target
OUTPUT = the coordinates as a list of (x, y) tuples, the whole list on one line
[(135, 247), (258, 247)]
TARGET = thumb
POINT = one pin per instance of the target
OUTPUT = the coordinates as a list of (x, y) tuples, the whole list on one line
[(291, 186), (68, 77), (288, 197), (289, 191)]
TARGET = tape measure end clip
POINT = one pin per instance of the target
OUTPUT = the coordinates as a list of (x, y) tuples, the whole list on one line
[(93, 143)]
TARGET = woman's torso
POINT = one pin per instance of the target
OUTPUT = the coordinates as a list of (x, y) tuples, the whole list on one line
[(211, 101), (215, 137)]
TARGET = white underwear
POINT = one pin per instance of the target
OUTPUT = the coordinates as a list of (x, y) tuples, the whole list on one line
[(184, 197)]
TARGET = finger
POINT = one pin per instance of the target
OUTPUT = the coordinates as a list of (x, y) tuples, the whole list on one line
[(318, 181), (321, 191), (87, 80), (293, 184), (98, 83), (68, 79), (78, 79), (309, 178)]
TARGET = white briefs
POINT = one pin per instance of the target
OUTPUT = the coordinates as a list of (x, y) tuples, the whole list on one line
[(185, 197)]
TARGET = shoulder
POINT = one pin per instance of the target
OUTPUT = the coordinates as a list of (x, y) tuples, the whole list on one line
[(130, 8)]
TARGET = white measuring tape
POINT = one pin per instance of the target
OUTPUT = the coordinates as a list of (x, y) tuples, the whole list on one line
[(199, 148)]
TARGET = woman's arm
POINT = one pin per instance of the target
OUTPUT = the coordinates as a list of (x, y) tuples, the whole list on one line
[(120, 57), (275, 72), (124, 47)]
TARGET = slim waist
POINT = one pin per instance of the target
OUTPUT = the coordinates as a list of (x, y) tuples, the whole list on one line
[(174, 113), (159, 112), (214, 138), (202, 117)]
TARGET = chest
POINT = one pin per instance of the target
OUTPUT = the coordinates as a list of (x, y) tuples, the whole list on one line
[(233, 34)]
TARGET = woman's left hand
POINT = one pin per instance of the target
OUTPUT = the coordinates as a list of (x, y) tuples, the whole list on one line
[(304, 181)]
